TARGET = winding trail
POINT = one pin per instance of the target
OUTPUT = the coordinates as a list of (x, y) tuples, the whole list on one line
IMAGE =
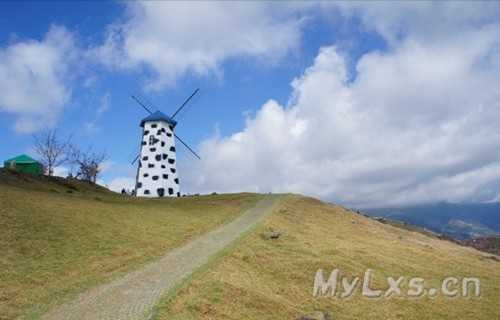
[(134, 296)]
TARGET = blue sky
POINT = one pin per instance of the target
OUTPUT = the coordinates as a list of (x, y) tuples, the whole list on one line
[(222, 103), (273, 100)]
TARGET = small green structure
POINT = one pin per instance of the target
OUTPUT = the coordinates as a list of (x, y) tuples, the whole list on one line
[(24, 163)]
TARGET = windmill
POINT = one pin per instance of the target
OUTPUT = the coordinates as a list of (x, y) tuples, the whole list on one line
[(156, 169)]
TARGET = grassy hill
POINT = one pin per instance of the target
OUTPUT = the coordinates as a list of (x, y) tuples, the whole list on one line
[(262, 278), (59, 237)]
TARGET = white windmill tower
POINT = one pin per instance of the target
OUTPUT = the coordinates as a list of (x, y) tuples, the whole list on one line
[(157, 169)]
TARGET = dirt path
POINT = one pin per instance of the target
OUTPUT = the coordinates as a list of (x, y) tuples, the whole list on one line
[(134, 296)]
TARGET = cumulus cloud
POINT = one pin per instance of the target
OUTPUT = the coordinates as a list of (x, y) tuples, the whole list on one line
[(170, 39), (419, 122), (61, 171), (430, 20), (120, 183), (33, 79)]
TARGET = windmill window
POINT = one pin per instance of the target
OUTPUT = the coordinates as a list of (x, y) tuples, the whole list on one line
[(154, 178), (178, 194), (145, 175), (146, 191), (160, 191), (170, 191), (165, 156), (169, 134), (146, 132), (150, 165), (158, 157), (163, 166), (171, 128), (165, 176), (172, 170), (172, 149), (152, 140), (145, 158), (171, 161), (163, 143), (139, 185), (176, 180), (144, 143), (158, 133), (154, 125)]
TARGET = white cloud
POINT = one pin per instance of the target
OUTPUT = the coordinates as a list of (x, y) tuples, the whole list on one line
[(34, 79), (171, 39), (61, 171), (118, 184), (91, 126), (117, 176), (104, 104), (418, 124), (430, 20)]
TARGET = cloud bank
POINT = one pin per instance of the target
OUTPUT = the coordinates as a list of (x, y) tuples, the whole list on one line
[(419, 122), (33, 79), (171, 39)]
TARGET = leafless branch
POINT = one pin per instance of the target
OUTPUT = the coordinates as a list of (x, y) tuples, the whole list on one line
[(52, 150), (89, 163)]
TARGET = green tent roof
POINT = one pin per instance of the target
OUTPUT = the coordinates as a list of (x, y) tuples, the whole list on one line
[(22, 159)]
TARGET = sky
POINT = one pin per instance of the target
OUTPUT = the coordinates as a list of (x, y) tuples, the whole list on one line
[(367, 104)]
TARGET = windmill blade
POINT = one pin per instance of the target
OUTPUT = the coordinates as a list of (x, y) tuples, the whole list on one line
[(185, 102), (185, 144), (138, 154), (135, 159), (141, 104)]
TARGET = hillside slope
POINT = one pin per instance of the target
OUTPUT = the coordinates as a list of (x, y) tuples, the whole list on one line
[(264, 278), (59, 237)]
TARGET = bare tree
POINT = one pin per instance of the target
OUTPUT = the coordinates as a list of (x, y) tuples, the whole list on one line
[(89, 163), (52, 150)]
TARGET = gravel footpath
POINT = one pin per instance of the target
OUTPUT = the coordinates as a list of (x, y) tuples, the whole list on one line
[(134, 296)]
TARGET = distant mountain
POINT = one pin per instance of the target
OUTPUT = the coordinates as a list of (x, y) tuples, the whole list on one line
[(460, 221)]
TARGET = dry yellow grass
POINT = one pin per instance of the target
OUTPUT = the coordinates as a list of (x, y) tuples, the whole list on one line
[(273, 279), (55, 244)]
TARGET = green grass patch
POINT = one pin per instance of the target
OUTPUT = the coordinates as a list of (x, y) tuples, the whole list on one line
[(272, 279), (56, 244)]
